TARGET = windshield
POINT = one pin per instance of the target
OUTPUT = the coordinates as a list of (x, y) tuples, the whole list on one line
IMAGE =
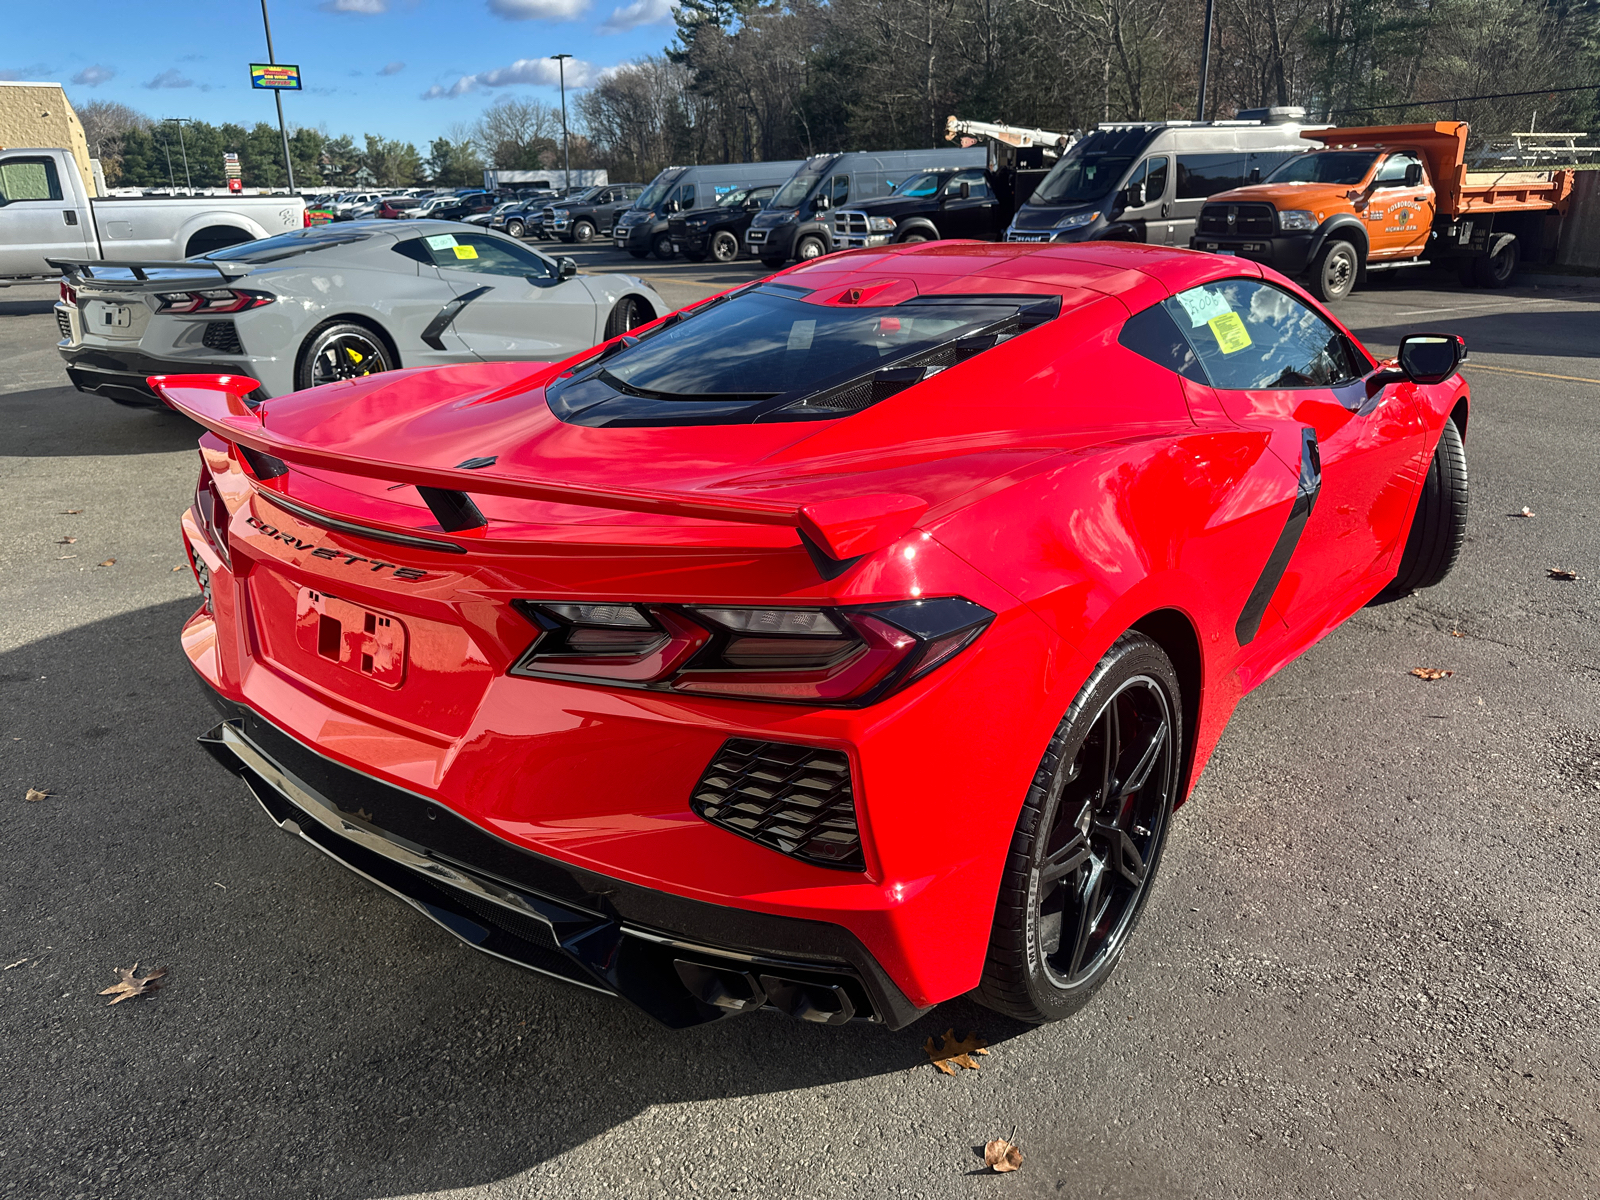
[(1325, 166), (657, 191), (1093, 167), (926, 184), (792, 193)]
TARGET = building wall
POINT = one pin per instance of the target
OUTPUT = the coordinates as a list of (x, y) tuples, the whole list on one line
[(39, 116)]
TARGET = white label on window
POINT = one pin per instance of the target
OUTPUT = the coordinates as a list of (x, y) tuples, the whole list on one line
[(1202, 305), (441, 241), (801, 333)]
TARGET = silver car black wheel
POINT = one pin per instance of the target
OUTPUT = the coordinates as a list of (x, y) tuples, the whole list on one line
[(339, 352)]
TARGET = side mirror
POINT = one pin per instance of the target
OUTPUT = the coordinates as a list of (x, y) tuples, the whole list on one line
[(566, 268), (1413, 174), (1255, 174), (1133, 195), (1432, 357), (966, 190), (821, 203)]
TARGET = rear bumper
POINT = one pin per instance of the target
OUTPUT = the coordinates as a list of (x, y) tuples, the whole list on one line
[(121, 374), (1288, 253), (684, 962)]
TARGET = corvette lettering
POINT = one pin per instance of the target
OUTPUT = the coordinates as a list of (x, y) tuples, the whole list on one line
[(408, 574)]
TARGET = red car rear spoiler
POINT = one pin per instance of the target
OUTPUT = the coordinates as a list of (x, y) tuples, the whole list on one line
[(842, 529)]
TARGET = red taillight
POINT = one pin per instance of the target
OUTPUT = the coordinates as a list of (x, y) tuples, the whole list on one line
[(213, 302), (69, 294), (802, 655)]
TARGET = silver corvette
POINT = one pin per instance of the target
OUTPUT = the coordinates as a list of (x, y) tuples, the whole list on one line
[(334, 302)]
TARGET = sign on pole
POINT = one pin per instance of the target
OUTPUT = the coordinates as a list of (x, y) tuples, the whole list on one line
[(275, 77), (230, 171)]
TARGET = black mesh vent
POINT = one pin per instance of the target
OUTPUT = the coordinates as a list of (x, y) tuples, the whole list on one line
[(64, 324), (221, 335), (1249, 220), (794, 799)]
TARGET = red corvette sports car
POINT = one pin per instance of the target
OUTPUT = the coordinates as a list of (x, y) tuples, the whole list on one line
[(839, 644)]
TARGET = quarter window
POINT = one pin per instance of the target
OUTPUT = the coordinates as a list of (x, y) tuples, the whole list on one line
[(1251, 335), (29, 179), (1154, 335)]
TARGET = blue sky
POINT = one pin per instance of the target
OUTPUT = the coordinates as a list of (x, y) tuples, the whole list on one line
[(401, 68)]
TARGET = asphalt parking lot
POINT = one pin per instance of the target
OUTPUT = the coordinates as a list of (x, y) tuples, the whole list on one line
[(1368, 969)]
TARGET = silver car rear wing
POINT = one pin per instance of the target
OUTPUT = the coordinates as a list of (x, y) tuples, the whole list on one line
[(200, 273)]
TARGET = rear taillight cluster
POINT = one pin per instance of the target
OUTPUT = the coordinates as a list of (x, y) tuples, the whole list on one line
[(69, 294), (212, 302), (839, 655)]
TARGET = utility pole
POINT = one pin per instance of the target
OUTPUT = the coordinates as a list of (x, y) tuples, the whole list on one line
[(180, 122), (1205, 58), (166, 148), (278, 96), (566, 148)]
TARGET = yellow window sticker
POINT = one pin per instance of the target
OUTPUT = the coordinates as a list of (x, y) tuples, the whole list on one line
[(441, 241), (1229, 331), (472, 252)]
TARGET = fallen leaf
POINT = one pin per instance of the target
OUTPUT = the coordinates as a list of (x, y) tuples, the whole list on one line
[(958, 1052), (1562, 573), (66, 541), (1430, 673), (1526, 512), (70, 512), (1457, 633), (35, 794), (1002, 1156), (179, 567), (110, 562), (130, 984)]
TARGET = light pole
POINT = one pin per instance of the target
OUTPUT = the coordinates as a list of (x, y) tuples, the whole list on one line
[(278, 96), (1205, 59), (566, 147), (180, 122)]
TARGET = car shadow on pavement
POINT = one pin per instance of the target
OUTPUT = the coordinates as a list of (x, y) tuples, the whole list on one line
[(27, 308), (315, 1036), (63, 422), (1557, 335)]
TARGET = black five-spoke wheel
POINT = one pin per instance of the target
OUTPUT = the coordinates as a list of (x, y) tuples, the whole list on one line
[(341, 350), (1089, 837)]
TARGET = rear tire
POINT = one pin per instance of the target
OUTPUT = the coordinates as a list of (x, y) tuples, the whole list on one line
[(1333, 272), (724, 246), (339, 350), (1497, 270), (630, 313), (1440, 525), (1089, 838)]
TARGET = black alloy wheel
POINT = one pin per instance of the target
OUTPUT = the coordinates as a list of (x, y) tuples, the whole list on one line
[(724, 246), (810, 247), (339, 351), (1089, 838), (663, 246), (583, 231), (1498, 269), (1333, 272), (630, 313), (515, 228)]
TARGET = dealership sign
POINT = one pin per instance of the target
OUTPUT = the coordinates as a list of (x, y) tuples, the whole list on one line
[(275, 76)]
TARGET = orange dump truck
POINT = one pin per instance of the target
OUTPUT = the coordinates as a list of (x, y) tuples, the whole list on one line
[(1382, 198)]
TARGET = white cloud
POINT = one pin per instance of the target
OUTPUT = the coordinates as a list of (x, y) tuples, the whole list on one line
[(539, 72), (538, 10), (94, 76), (368, 8), (640, 12), (393, 68), (31, 71), (170, 78)]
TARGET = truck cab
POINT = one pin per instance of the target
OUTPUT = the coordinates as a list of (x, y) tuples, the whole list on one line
[(925, 208), (718, 232)]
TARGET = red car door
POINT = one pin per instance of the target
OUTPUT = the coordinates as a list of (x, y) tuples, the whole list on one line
[(1275, 362)]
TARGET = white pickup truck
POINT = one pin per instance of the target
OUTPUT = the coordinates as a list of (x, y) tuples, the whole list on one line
[(45, 213)]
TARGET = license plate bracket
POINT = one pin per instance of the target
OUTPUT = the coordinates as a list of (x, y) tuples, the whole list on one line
[(369, 643)]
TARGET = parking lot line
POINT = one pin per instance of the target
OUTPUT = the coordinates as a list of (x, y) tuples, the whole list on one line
[(1539, 374)]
